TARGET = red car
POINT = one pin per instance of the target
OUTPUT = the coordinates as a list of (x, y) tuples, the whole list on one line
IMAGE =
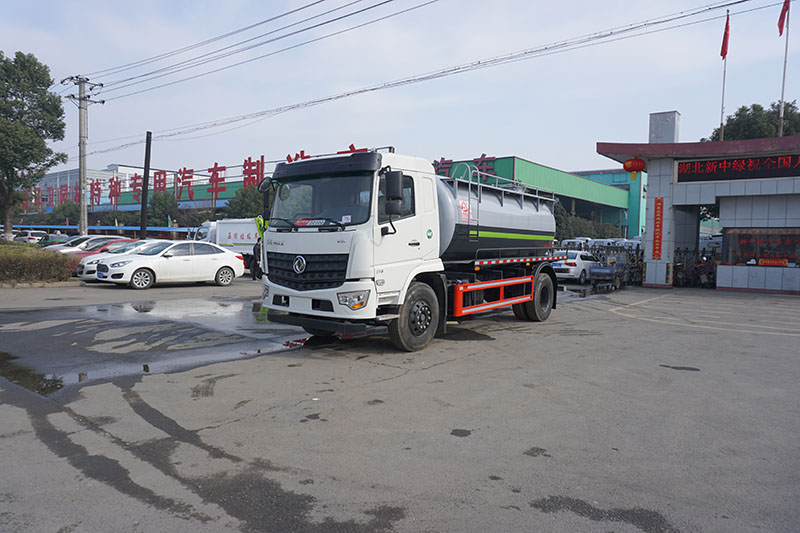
[(102, 246)]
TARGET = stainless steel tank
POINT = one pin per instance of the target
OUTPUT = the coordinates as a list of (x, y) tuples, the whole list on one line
[(478, 219)]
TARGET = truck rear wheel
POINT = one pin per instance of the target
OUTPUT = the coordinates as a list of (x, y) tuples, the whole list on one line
[(416, 326), (519, 311), (543, 296)]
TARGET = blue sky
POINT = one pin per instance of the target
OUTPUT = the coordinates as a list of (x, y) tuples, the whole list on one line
[(551, 110)]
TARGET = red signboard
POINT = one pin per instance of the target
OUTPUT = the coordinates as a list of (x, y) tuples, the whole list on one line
[(779, 166), (658, 223)]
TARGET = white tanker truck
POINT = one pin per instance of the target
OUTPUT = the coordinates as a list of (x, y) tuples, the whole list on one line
[(375, 239)]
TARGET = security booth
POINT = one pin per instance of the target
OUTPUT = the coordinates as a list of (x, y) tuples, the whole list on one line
[(756, 184)]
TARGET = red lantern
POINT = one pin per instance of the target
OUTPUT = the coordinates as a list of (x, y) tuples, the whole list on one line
[(634, 165)]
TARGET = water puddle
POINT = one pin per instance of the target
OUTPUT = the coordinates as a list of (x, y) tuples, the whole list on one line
[(43, 384)]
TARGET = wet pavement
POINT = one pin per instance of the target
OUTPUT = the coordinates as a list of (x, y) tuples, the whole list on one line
[(640, 410), (83, 344)]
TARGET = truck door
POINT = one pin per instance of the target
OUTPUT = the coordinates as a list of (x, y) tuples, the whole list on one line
[(397, 254)]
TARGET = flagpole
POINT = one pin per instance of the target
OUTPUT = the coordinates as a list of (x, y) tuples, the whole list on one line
[(783, 84), (724, 54), (722, 110)]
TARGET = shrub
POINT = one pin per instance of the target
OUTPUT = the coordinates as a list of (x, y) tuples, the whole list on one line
[(26, 262)]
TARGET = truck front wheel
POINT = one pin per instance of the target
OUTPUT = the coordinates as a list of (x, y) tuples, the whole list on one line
[(419, 317)]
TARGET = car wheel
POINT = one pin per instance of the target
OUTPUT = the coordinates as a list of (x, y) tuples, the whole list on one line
[(142, 279), (582, 277), (416, 326), (224, 276)]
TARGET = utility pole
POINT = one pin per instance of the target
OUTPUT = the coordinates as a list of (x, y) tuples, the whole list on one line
[(145, 186), (82, 101)]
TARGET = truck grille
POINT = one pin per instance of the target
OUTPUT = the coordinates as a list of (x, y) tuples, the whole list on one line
[(323, 271), (102, 268)]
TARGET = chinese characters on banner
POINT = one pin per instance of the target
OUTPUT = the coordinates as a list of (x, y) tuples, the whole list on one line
[(658, 226), (482, 163), (739, 169), (215, 182), (160, 181)]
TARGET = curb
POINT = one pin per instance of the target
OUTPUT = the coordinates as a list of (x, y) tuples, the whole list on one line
[(41, 284)]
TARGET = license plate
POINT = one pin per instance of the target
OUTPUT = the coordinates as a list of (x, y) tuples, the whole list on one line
[(558, 265), (100, 275)]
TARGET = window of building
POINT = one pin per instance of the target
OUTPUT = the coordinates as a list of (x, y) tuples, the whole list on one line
[(762, 246)]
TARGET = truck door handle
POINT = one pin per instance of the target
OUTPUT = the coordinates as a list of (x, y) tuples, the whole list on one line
[(414, 243)]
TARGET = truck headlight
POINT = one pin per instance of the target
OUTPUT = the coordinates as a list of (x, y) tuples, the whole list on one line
[(354, 300), (264, 292)]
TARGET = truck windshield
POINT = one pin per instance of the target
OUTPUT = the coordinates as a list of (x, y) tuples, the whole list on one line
[(322, 201)]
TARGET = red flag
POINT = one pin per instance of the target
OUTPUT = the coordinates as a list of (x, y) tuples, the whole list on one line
[(724, 51), (782, 18)]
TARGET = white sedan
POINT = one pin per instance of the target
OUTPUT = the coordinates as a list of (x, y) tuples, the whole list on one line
[(87, 267), (172, 261), (576, 266)]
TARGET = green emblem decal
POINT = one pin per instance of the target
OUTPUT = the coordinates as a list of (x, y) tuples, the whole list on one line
[(430, 234)]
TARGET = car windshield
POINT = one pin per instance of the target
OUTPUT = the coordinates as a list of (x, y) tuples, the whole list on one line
[(119, 247), (75, 241), (93, 247), (572, 255), (154, 249), (321, 201)]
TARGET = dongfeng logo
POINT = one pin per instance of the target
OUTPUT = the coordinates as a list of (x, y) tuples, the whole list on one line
[(299, 264)]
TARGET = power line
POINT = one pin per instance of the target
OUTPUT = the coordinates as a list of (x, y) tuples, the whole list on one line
[(141, 62), (199, 61), (327, 36), (548, 49)]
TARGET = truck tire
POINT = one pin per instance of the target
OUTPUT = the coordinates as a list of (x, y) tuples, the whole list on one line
[(416, 326), (520, 312), (543, 296)]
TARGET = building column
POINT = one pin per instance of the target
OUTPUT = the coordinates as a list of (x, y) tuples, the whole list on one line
[(660, 172)]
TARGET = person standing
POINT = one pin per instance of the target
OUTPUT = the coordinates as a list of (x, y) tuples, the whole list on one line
[(255, 262)]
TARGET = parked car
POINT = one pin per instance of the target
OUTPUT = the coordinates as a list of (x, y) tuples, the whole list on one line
[(86, 269), (30, 236), (172, 261), (54, 238), (90, 242), (69, 243), (576, 266)]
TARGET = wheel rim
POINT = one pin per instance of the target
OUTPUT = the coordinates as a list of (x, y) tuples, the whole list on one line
[(545, 298), (141, 279), (419, 318), (225, 276)]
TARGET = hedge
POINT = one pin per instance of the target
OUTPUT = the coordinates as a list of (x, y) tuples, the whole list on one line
[(21, 262)]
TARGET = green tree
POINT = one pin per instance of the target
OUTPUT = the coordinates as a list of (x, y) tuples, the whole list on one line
[(30, 115), (62, 213), (756, 122), (161, 206), (562, 222), (248, 203)]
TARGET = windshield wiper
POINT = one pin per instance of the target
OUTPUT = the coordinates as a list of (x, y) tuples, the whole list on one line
[(332, 221), (292, 224)]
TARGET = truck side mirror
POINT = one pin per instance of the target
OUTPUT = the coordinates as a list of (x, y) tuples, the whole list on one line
[(394, 192), (394, 185)]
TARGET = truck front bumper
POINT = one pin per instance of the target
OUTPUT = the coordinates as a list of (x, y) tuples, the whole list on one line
[(334, 325)]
